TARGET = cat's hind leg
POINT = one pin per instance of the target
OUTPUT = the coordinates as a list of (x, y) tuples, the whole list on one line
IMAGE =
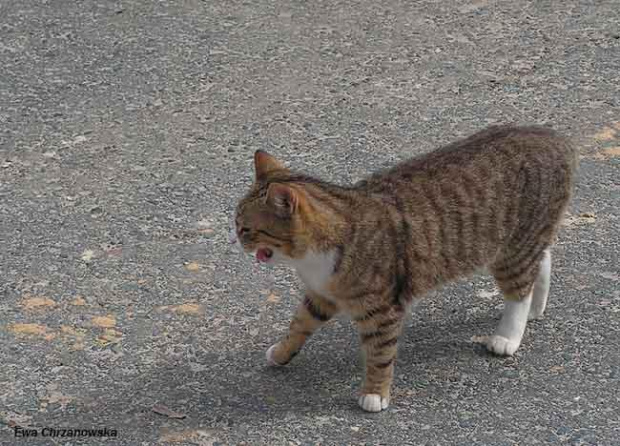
[(507, 337), (312, 313), (541, 287), (518, 278)]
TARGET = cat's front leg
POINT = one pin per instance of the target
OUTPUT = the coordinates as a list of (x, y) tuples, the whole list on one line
[(379, 329), (313, 312)]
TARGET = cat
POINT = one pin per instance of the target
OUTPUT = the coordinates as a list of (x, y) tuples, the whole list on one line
[(492, 201)]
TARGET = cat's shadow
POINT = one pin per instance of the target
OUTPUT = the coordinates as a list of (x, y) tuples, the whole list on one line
[(230, 387)]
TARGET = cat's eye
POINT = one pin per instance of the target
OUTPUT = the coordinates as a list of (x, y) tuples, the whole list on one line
[(244, 231)]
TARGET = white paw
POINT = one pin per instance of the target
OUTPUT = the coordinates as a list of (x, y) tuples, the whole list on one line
[(269, 355), (501, 345), (373, 402)]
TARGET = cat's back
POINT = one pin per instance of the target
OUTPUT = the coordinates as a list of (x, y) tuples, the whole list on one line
[(512, 142), (493, 151)]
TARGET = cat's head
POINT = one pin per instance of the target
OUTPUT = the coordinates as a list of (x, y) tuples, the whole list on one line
[(268, 219)]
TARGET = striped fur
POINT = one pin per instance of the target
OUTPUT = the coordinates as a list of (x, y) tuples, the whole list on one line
[(494, 200)]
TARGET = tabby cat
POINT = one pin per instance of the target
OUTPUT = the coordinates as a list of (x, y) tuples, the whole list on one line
[(494, 200)]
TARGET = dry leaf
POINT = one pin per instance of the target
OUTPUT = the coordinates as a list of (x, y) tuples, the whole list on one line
[(70, 331), (606, 134), (32, 330), (65, 329), (109, 336), (612, 151), (79, 301), (584, 218), (37, 303), (163, 410), (104, 321), (273, 298), (186, 308), (28, 329), (192, 266)]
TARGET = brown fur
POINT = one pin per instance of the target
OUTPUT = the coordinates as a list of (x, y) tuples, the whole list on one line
[(492, 200)]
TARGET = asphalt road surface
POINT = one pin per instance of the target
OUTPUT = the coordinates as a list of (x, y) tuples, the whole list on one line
[(127, 130)]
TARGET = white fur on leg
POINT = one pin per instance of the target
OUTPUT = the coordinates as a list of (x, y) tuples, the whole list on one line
[(269, 355), (507, 338), (373, 402), (541, 288)]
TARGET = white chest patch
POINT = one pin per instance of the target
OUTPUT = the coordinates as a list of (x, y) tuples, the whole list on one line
[(315, 270)]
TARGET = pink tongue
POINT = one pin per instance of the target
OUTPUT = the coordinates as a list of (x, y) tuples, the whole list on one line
[(263, 255)]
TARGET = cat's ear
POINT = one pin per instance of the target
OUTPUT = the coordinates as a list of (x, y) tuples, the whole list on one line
[(284, 198), (264, 164)]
